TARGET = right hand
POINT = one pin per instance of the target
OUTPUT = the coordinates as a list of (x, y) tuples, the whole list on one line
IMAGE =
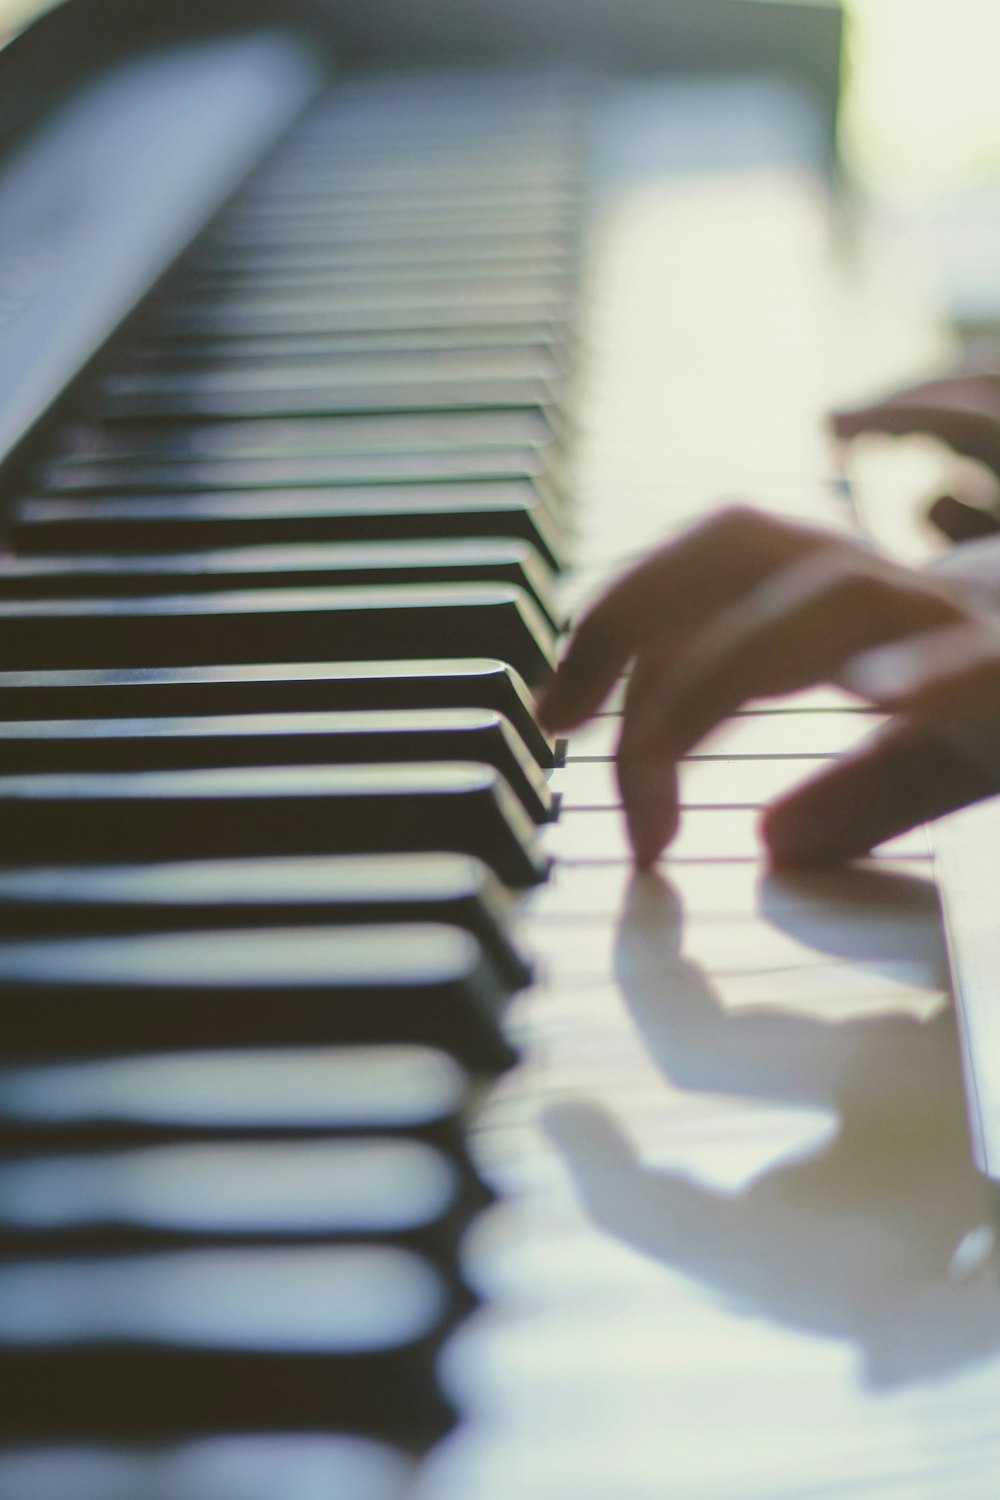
[(746, 605), (962, 410)]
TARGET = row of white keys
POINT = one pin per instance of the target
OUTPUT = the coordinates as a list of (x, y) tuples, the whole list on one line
[(737, 1253)]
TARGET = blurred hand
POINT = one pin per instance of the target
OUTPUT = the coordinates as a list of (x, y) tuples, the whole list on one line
[(748, 606), (962, 410)]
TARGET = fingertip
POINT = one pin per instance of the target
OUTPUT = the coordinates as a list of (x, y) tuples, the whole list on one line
[(555, 701), (648, 836), (572, 694), (649, 798), (557, 711), (547, 709)]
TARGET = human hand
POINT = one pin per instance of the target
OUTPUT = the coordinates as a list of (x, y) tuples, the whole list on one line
[(962, 410), (747, 606)]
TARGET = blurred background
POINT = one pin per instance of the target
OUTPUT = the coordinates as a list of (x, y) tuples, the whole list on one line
[(921, 104), (919, 133)]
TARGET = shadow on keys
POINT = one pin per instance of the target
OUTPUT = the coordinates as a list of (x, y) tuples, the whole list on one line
[(879, 1238)]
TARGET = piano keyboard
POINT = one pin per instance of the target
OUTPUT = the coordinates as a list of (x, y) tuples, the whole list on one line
[(282, 575), (306, 1189)]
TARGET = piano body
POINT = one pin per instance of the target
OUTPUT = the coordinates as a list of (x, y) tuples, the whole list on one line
[(368, 1131)]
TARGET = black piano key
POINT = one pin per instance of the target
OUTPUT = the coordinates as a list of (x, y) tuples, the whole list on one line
[(387, 1090), (262, 1466), (136, 374), (313, 195), (428, 466), (179, 522), (280, 687), (191, 1341), (319, 316), (331, 400), (385, 1189), (465, 256), (150, 815), (328, 274), (272, 987), (299, 179), (347, 207), (361, 167), (337, 205), (306, 891), (301, 739), (330, 309), (475, 134), (536, 162), (352, 564), (533, 162), (298, 438), (419, 620), (454, 155), (308, 361), (373, 220), (487, 117), (527, 230)]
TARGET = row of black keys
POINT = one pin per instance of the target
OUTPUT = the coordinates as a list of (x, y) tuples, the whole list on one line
[(260, 804)]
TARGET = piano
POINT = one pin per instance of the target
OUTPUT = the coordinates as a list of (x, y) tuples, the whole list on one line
[(367, 1130)]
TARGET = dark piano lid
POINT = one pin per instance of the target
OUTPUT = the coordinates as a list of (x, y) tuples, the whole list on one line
[(112, 159)]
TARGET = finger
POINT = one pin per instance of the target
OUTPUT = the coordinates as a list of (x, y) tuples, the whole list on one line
[(976, 434), (647, 782), (968, 390), (900, 779), (948, 682), (797, 629), (667, 596), (937, 669), (961, 522)]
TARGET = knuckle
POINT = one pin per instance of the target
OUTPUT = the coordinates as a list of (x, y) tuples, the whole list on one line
[(843, 577), (738, 520), (745, 529)]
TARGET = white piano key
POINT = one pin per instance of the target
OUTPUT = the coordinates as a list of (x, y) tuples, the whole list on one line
[(750, 960), (598, 835), (819, 698), (704, 783), (828, 901), (805, 733)]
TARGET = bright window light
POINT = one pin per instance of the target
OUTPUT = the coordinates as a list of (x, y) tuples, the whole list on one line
[(922, 103)]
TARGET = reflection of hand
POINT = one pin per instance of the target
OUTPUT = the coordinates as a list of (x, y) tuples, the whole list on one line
[(867, 1231), (747, 606), (961, 410)]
